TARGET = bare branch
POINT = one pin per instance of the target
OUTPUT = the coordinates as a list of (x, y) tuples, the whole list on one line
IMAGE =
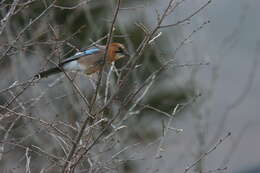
[(187, 18), (73, 149), (207, 153), (4, 21)]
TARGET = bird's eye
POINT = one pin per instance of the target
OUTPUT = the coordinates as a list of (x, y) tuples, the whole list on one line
[(120, 50)]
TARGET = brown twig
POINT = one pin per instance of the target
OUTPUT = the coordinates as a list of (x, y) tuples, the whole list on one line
[(25, 28), (207, 153), (4, 21), (73, 149), (187, 18)]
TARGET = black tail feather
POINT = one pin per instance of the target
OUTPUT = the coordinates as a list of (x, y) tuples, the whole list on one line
[(47, 73)]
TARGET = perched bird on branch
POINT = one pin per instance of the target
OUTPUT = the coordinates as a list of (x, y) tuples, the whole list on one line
[(88, 61)]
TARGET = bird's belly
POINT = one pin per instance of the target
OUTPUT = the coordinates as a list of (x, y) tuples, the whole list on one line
[(93, 69), (74, 66)]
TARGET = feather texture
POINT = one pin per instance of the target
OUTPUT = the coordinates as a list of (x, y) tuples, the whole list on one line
[(88, 61)]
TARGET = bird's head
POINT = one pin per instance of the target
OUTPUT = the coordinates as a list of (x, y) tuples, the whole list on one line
[(117, 51)]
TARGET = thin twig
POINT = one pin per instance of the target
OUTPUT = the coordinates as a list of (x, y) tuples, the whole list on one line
[(187, 18), (25, 28), (28, 161), (73, 149), (4, 21), (207, 153)]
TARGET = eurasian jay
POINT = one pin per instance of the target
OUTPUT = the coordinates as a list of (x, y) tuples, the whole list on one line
[(88, 61)]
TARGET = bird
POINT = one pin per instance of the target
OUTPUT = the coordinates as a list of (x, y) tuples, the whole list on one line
[(88, 61)]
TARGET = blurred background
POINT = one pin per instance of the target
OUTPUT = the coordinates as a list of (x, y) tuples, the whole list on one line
[(213, 78)]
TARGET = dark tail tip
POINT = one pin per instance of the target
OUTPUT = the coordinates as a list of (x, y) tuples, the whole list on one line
[(47, 73)]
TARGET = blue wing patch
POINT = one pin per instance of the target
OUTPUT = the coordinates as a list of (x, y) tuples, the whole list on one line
[(91, 51), (88, 52), (80, 54)]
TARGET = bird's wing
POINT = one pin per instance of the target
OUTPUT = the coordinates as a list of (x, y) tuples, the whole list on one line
[(84, 54), (92, 60)]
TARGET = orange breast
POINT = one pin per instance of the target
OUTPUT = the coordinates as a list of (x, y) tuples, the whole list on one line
[(111, 54)]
